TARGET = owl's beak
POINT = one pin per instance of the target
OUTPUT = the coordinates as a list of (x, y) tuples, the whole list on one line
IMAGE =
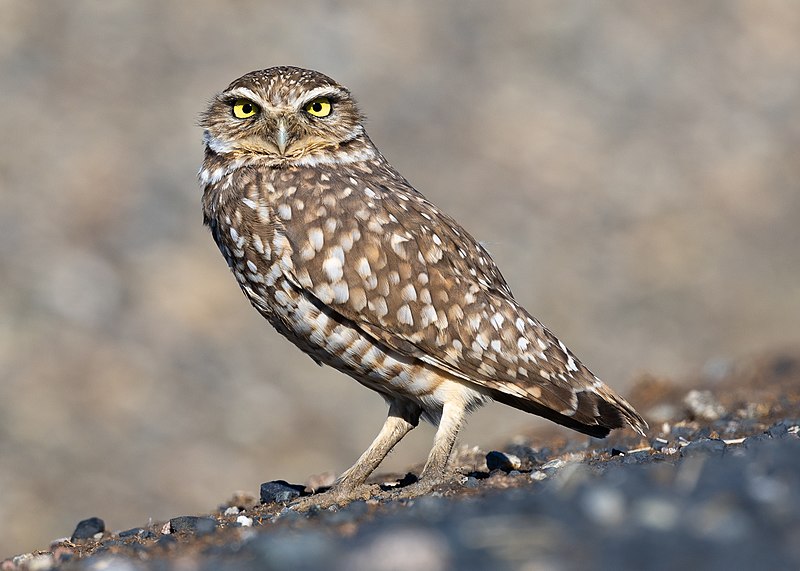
[(282, 136)]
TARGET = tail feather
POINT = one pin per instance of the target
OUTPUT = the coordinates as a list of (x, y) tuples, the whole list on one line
[(596, 414)]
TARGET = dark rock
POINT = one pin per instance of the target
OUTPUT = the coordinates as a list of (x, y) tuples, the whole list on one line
[(704, 447), (499, 461), (779, 430), (87, 528), (280, 491), (192, 524)]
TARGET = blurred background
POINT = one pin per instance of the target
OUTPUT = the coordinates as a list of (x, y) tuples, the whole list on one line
[(632, 166)]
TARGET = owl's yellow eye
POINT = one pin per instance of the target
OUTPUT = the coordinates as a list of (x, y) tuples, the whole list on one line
[(319, 107), (242, 108)]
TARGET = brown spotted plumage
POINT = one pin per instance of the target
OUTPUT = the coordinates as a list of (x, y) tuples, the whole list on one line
[(359, 270)]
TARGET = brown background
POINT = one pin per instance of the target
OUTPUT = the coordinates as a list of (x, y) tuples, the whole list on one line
[(632, 166)]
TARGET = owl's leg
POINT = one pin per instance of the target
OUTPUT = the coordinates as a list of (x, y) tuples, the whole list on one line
[(403, 417), (435, 470), (401, 420), (453, 415)]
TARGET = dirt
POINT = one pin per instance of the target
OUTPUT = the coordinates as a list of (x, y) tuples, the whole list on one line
[(714, 484)]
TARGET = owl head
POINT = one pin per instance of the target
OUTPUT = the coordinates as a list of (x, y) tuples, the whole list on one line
[(286, 116)]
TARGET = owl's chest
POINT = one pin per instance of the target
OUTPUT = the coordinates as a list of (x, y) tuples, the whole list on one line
[(248, 217)]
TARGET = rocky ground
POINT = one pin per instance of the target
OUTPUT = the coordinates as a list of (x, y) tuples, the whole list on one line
[(714, 485)]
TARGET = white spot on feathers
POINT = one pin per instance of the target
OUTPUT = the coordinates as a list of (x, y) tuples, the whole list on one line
[(284, 211), (404, 315), (362, 268), (408, 293), (332, 267), (316, 238)]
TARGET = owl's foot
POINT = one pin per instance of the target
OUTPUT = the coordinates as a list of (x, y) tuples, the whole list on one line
[(336, 496), (421, 487)]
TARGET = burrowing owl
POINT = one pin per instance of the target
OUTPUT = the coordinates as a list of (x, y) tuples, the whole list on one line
[(353, 265)]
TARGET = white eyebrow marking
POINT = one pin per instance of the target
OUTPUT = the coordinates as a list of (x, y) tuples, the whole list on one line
[(317, 92), (245, 93)]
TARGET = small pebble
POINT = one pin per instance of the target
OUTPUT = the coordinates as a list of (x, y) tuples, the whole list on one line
[(499, 461), (88, 528), (244, 521), (279, 491)]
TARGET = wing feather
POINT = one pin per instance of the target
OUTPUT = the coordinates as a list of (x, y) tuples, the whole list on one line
[(409, 276)]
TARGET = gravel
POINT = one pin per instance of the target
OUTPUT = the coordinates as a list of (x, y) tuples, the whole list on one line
[(696, 493)]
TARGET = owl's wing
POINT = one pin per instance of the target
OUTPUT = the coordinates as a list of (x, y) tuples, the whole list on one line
[(412, 278)]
